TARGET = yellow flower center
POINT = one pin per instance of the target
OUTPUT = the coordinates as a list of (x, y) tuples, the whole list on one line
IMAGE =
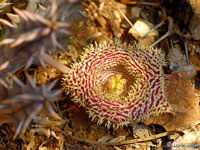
[(116, 84)]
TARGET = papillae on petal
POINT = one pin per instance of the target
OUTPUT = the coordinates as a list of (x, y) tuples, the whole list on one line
[(118, 83)]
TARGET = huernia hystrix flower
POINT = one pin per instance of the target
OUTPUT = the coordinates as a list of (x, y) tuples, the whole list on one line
[(119, 84)]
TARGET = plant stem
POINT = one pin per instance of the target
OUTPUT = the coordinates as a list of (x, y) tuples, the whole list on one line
[(54, 63)]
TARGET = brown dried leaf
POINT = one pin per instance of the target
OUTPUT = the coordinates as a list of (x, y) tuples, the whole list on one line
[(195, 6)]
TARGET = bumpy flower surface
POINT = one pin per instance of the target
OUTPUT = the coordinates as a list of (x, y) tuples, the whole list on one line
[(119, 84)]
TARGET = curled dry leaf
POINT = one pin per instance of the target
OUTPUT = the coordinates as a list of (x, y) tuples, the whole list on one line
[(46, 126), (142, 131)]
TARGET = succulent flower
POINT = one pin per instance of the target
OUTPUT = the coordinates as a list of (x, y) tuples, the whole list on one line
[(119, 84)]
